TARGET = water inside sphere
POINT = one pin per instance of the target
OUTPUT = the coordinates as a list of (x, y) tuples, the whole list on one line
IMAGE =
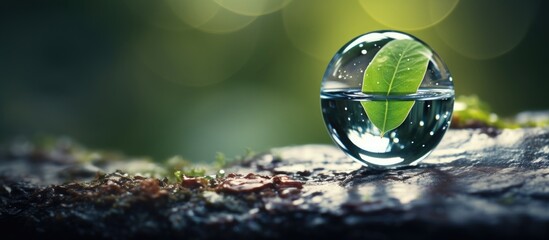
[(387, 105)]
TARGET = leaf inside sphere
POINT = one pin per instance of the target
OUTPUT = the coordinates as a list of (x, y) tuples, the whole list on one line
[(397, 69)]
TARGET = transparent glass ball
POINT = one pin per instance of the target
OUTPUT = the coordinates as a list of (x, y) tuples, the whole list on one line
[(354, 131)]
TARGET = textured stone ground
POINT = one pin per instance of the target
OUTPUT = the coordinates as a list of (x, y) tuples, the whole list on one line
[(477, 184)]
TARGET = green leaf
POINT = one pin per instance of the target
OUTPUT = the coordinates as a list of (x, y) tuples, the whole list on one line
[(387, 115), (397, 69)]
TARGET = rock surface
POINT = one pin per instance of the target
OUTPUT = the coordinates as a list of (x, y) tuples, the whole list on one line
[(476, 185)]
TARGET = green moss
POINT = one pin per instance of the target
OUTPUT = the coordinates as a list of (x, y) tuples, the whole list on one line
[(220, 160), (178, 176), (176, 163), (471, 112)]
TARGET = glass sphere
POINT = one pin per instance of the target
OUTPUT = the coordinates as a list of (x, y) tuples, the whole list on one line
[(387, 105)]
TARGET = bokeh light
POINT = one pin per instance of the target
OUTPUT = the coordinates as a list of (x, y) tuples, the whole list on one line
[(321, 29), (253, 7), (194, 13), (487, 29), (194, 77), (409, 15), (208, 16)]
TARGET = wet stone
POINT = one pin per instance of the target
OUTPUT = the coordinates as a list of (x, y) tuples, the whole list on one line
[(475, 185)]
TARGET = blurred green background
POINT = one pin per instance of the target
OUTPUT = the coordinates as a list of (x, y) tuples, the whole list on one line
[(194, 77)]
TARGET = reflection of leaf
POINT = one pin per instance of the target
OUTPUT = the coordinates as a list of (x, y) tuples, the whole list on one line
[(398, 68)]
